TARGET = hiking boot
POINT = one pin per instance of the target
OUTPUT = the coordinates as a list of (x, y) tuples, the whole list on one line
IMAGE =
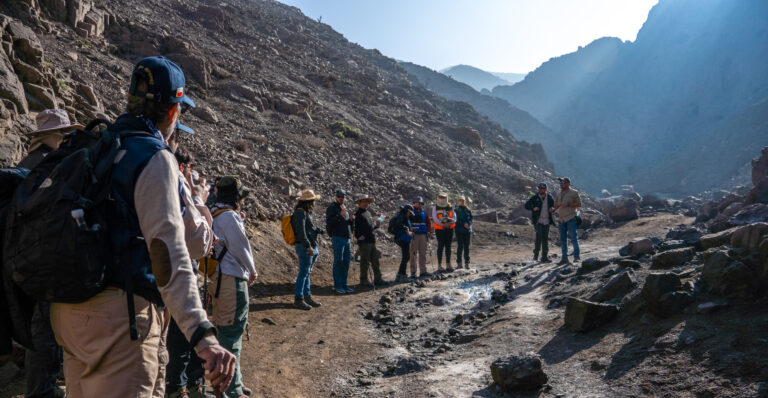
[(301, 304), (364, 285), (535, 257), (546, 259), (247, 391), (564, 261), (340, 291), (448, 268), (576, 259), (458, 265), (380, 283), (425, 275), (349, 289), (196, 393), (439, 267), (309, 300), (401, 278), (413, 275)]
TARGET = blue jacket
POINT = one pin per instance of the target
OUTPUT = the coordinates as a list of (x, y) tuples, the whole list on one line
[(420, 222), (463, 216)]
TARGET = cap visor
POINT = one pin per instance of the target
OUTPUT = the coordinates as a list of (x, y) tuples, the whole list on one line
[(184, 128), (187, 100)]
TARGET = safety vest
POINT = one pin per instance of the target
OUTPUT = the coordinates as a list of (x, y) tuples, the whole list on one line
[(419, 222), (443, 212)]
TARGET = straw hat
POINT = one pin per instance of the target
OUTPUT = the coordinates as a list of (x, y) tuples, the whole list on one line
[(364, 197), (52, 120), (442, 195), (308, 194)]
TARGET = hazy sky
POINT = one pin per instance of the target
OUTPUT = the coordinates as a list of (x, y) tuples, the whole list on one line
[(495, 35)]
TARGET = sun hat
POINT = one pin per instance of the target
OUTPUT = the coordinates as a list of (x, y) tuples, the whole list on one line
[(418, 199), (230, 189), (308, 194), (442, 195), (51, 120), (408, 208), (364, 197), (564, 180)]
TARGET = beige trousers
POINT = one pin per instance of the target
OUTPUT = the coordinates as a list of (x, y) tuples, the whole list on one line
[(100, 359), (224, 306), (419, 249)]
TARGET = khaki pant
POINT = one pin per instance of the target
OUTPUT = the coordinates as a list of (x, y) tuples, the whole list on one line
[(162, 357), (224, 306), (100, 359), (419, 249)]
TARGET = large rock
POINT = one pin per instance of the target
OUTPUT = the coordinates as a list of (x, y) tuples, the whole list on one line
[(583, 315), (664, 295), (592, 264), (617, 287), (638, 248), (206, 113), (690, 235), (39, 97), (519, 373), (717, 239), (672, 258), (289, 105), (26, 45), (715, 261), (10, 85), (749, 236), (750, 214), (625, 210)]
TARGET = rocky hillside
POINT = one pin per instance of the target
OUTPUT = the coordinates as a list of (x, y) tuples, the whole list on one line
[(284, 101), (520, 123), (686, 100), (475, 77)]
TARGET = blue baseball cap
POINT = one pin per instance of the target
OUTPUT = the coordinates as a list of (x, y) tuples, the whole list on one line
[(184, 128), (165, 81)]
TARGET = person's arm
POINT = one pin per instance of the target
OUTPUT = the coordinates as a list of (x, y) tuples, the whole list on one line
[(159, 212), (529, 204), (578, 201), (197, 226), (434, 214), (233, 232), (469, 217), (298, 222)]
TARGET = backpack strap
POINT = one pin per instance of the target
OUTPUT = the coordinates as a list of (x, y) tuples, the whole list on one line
[(221, 255)]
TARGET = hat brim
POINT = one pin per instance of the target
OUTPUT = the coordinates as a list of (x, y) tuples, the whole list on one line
[(64, 129), (369, 200), (316, 197), (184, 100), (184, 128)]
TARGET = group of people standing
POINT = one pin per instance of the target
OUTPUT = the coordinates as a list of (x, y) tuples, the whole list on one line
[(543, 207), (411, 227)]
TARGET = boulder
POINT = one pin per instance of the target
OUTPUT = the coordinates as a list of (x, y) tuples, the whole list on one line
[(715, 261), (10, 85), (582, 315), (519, 373), (763, 255), (629, 263), (749, 236), (617, 287), (672, 258), (289, 105), (205, 113), (664, 296), (625, 210), (638, 248), (39, 97), (690, 235), (750, 214), (653, 201), (672, 245), (707, 212), (592, 264), (26, 45), (717, 239)]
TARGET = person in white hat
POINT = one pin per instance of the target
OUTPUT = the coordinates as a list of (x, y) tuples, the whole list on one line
[(306, 247), (366, 241), (52, 126)]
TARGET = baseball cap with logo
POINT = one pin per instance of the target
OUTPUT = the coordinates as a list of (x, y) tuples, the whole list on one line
[(165, 82)]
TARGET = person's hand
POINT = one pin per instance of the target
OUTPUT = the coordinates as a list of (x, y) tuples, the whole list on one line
[(310, 251), (219, 364), (378, 223), (252, 279), (466, 225), (535, 209), (200, 189), (343, 211)]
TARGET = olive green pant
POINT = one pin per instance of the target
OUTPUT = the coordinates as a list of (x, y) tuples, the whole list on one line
[(369, 255)]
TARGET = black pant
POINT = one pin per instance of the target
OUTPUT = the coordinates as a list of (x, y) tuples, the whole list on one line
[(462, 240), (42, 364), (444, 240), (184, 368), (405, 248), (542, 240)]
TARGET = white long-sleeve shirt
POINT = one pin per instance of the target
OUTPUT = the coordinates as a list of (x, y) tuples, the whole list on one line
[(230, 228)]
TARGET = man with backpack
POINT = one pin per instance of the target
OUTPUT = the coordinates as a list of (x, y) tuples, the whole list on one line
[(421, 230), (338, 224), (444, 221), (234, 273), (541, 205), (42, 364), (111, 330), (566, 205)]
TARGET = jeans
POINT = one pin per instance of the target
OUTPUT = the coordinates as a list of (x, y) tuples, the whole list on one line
[(306, 263), (542, 240), (184, 368), (568, 230), (405, 249), (44, 362), (462, 240), (231, 336), (341, 258), (444, 240)]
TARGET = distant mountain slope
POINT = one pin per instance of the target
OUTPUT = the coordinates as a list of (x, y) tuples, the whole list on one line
[(512, 78), (684, 90), (520, 123), (475, 77)]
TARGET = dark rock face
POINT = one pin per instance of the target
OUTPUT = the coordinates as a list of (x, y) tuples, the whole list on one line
[(716, 239), (728, 277), (664, 295), (617, 287), (749, 236), (583, 315), (672, 258), (519, 373), (759, 194)]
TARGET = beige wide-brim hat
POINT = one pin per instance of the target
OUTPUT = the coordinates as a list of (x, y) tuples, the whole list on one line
[(365, 198), (442, 195), (308, 194), (52, 120)]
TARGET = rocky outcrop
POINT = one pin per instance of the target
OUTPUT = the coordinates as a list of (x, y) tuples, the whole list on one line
[(615, 288), (672, 258), (582, 315), (638, 248), (626, 209), (519, 373), (664, 294)]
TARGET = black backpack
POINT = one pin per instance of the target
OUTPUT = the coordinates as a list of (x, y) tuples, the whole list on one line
[(15, 307), (57, 246), (394, 224)]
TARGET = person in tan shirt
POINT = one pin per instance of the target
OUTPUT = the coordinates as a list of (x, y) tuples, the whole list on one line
[(102, 356), (566, 205)]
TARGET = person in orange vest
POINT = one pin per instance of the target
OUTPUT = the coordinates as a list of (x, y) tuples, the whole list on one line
[(444, 221)]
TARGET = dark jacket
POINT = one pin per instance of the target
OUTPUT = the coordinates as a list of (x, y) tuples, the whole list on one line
[(335, 223), (364, 226), (304, 228), (535, 201), (463, 216), (403, 225), (35, 157)]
